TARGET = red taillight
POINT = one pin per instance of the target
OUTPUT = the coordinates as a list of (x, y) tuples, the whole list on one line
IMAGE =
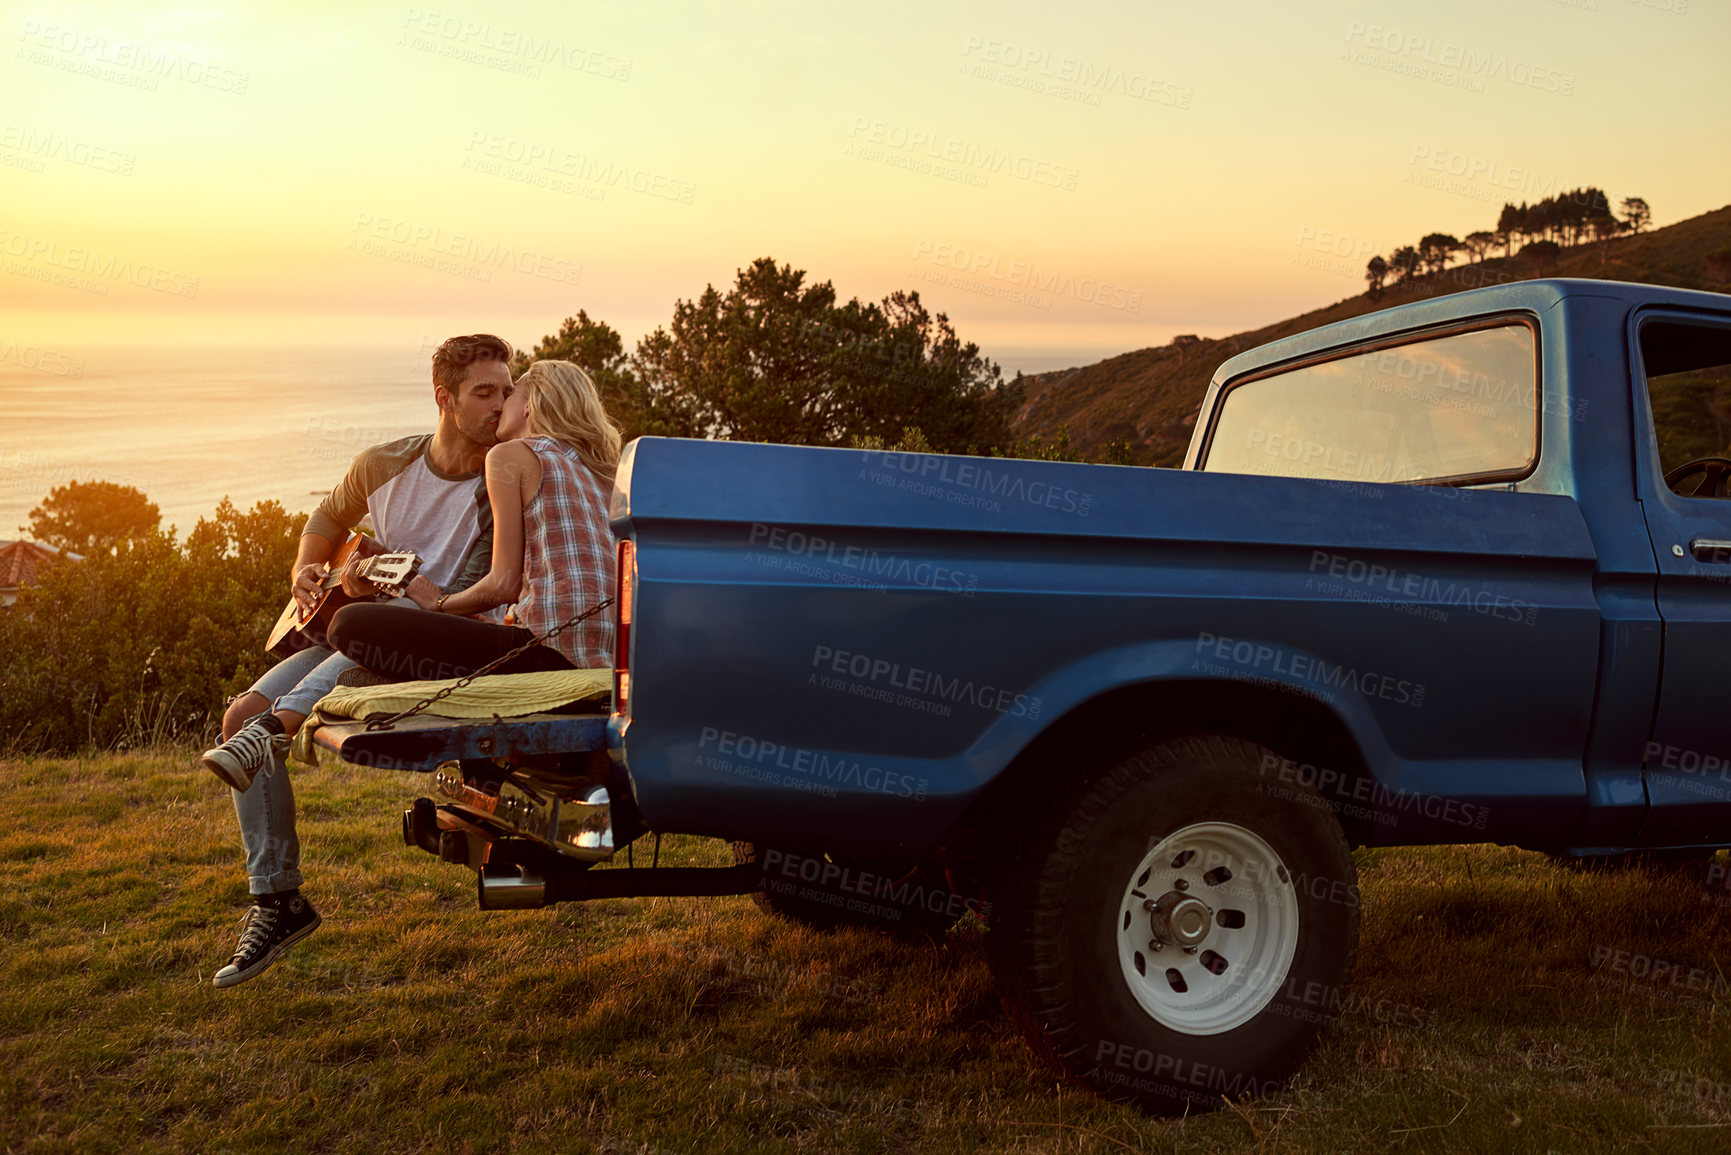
[(627, 578)]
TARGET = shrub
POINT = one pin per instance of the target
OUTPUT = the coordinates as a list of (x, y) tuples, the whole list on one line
[(147, 643)]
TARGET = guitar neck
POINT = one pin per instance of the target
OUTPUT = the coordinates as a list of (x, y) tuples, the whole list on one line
[(386, 571)]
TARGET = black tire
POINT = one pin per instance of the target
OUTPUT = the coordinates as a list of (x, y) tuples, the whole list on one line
[(1064, 939), (825, 892)]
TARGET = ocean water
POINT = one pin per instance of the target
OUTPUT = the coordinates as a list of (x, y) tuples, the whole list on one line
[(189, 426)]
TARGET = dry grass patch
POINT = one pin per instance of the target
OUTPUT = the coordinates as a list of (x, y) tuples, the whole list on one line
[(412, 1021)]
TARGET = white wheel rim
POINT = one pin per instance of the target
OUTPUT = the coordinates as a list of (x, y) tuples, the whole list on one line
[(1239, 957)]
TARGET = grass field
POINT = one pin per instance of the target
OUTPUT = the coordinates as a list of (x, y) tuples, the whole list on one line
[(411, 1021)]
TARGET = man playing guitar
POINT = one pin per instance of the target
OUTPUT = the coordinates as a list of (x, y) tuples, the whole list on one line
[(425, 496)]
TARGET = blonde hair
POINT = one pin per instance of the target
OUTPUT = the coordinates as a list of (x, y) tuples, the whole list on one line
[(563, 403)]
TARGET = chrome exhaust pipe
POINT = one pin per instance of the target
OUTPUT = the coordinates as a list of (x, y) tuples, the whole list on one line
[(509, 886)]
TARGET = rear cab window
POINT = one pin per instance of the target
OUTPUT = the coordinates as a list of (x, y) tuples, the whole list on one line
[(1457, 408)]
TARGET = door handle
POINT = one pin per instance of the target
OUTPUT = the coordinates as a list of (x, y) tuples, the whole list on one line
[(1710, 549)]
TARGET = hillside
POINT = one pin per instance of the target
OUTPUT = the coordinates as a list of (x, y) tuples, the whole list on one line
[(1149, 397)]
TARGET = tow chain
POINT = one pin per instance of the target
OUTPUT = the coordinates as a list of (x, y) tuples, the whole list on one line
[(387, 723)]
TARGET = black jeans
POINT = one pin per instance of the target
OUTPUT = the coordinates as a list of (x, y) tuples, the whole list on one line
[(411, 645)]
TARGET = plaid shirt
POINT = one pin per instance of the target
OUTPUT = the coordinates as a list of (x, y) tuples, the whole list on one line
[(569, 561)]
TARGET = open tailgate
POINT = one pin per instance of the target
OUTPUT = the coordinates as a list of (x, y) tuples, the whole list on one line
[(424, 741)]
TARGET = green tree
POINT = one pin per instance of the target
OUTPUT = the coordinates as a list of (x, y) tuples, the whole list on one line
[(1037, 448), (1404, 261), (1435, 249), (1376, 272), (777, 359), (597, 348), (1542, 256), (1604, 228), (1512, 225), (87, 516), (1637, 213), (1477, 244), (914, 370), (745, 364)]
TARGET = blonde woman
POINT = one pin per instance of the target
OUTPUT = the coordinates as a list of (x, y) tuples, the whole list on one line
[(548, 481)]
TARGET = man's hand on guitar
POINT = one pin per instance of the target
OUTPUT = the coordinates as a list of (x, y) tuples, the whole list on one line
[(353, 584), (306, 584)]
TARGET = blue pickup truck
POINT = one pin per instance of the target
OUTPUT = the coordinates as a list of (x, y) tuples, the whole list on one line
[(1450, 572)]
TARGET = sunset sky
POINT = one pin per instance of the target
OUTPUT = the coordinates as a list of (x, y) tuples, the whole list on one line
[(334, 174)]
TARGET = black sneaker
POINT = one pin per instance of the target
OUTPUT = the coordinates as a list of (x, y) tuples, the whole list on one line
[(237, 760), (266, 933)]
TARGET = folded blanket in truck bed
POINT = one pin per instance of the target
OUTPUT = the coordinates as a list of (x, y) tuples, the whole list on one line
[(507, 695)]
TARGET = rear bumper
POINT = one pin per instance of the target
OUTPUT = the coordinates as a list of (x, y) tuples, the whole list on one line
[(573, 829)]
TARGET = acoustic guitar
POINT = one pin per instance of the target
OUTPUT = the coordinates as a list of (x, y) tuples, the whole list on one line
[(389, 573)]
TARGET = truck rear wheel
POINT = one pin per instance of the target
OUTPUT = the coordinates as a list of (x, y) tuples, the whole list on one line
[(1182, 934), (825, 892)]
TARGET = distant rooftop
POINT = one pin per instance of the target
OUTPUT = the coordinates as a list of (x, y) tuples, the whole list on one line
[(22, 561)]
